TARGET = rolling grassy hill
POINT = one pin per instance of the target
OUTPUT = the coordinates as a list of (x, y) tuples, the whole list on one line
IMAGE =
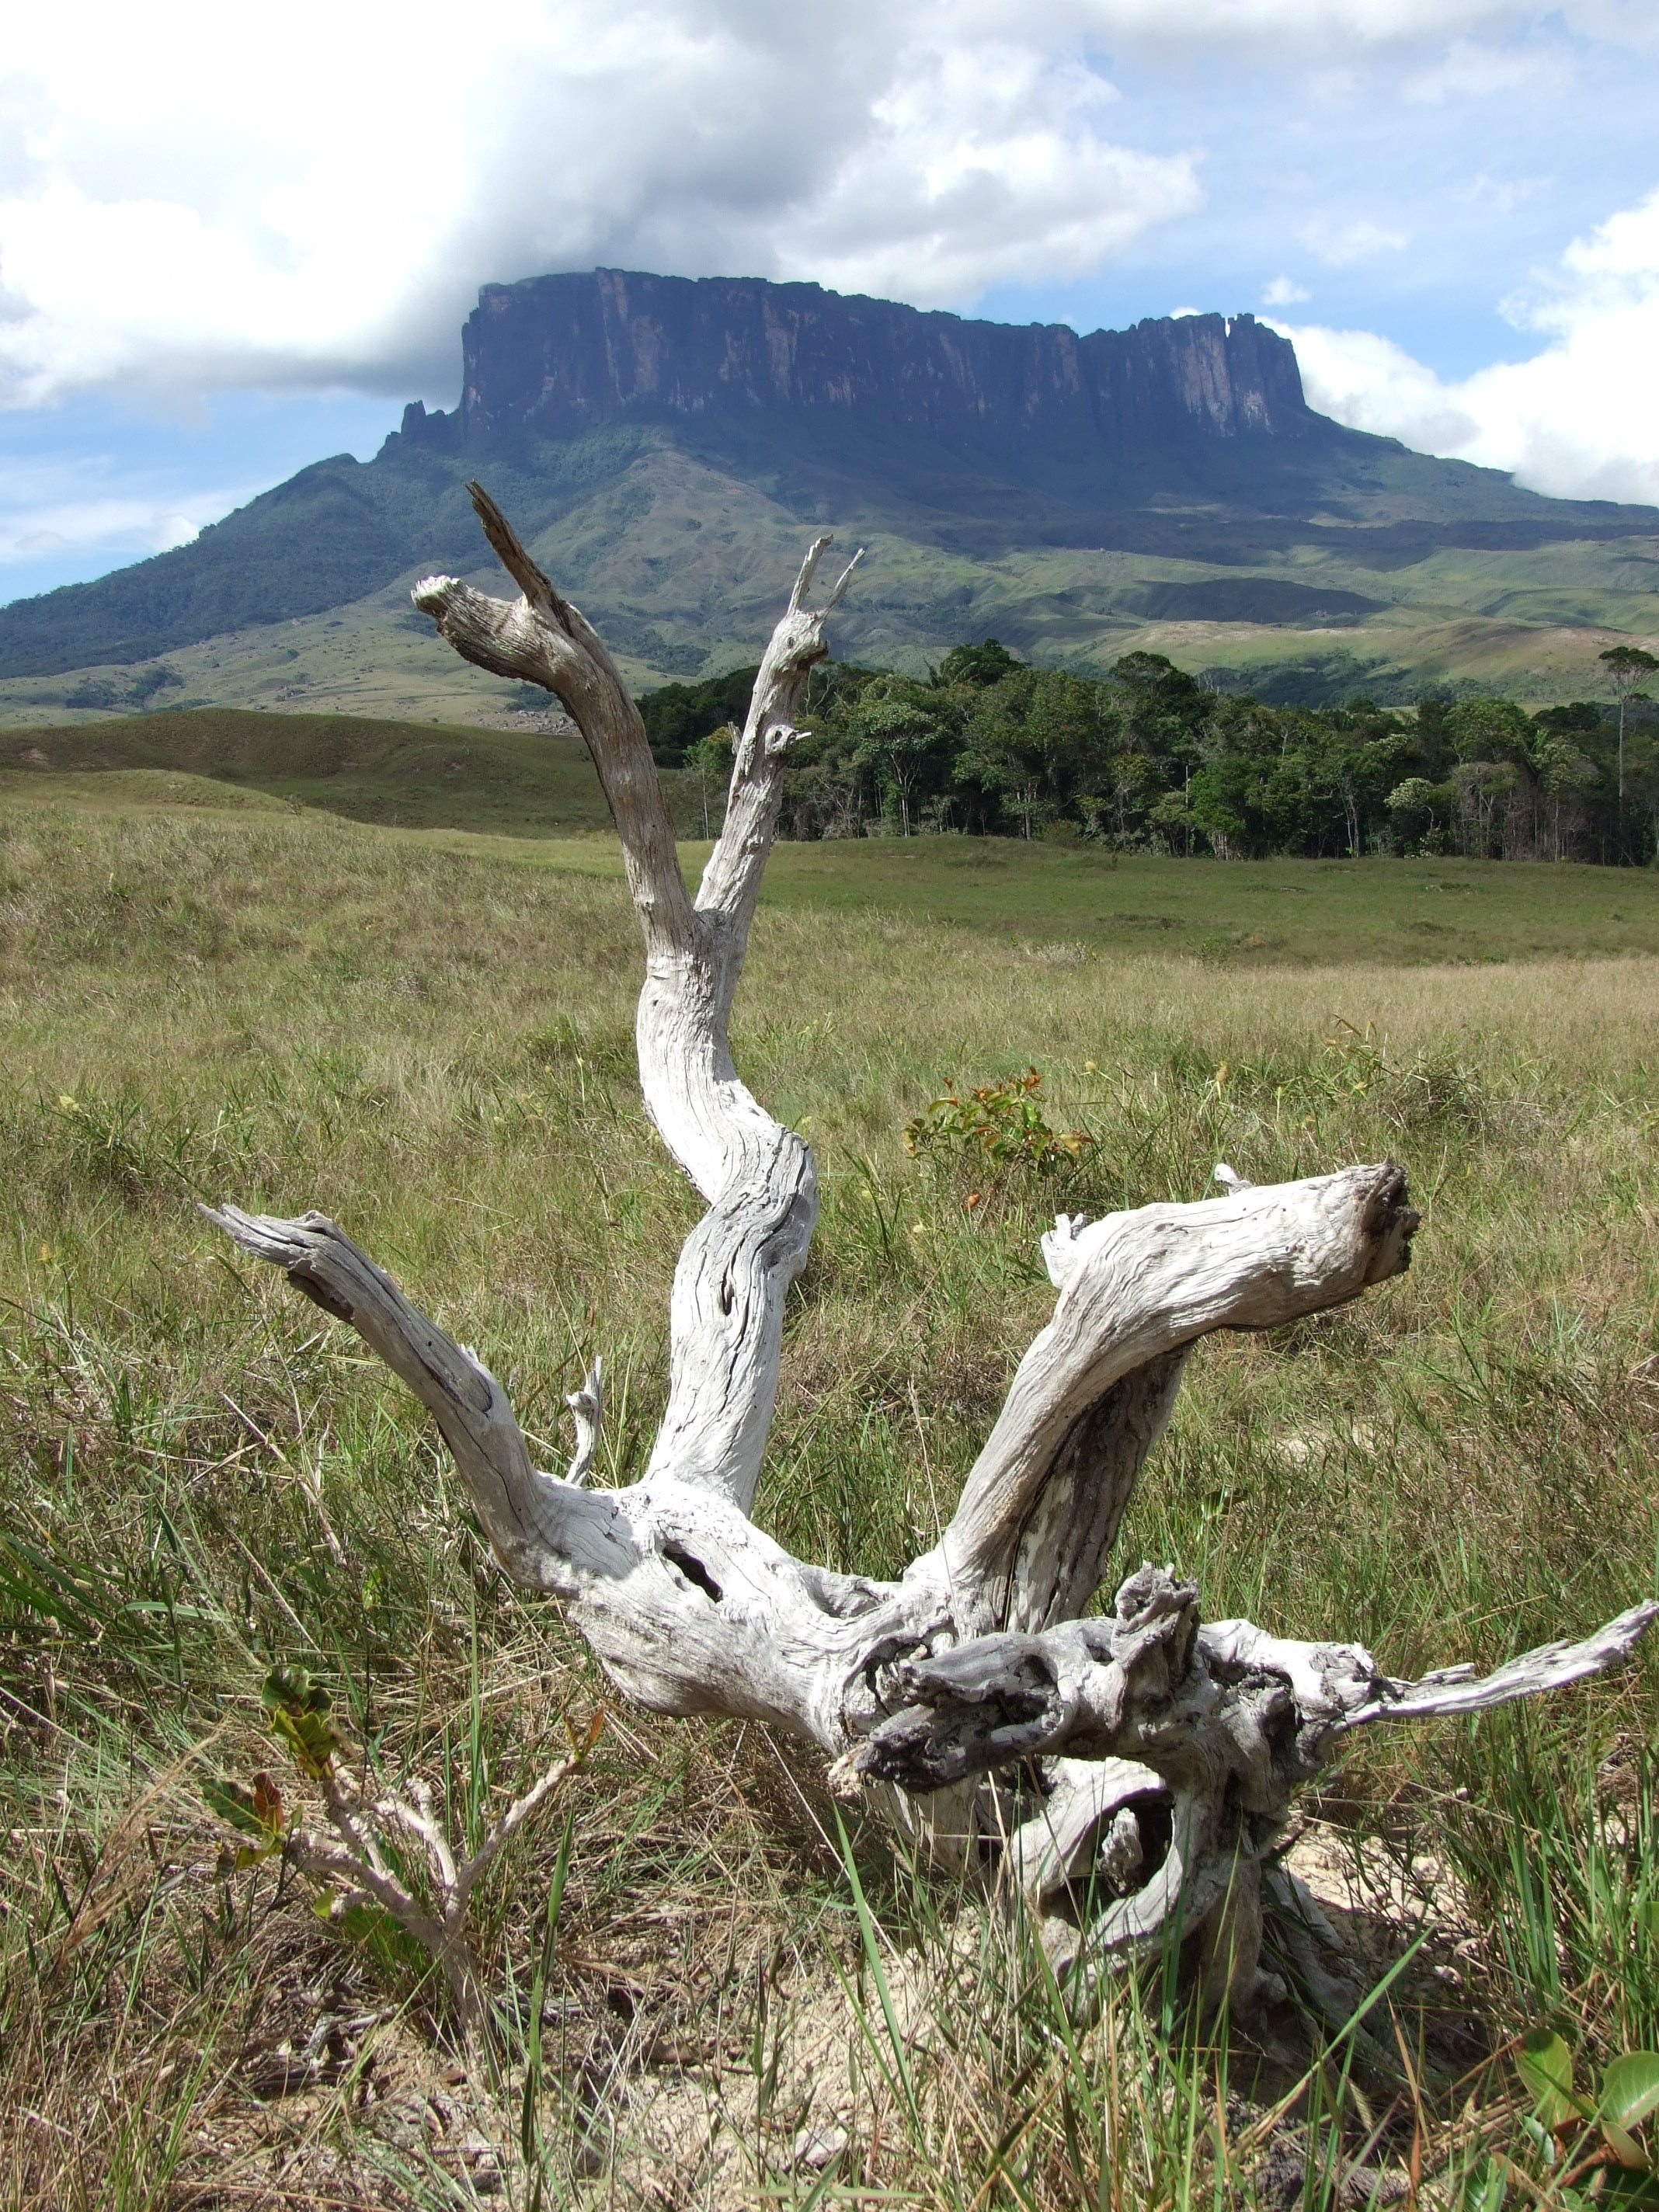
[(686, 569), (522, 783)]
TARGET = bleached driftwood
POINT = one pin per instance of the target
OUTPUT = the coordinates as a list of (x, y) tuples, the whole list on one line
[(1135, 1772)]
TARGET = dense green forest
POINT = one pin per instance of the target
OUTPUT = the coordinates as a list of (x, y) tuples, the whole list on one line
[(1151, 760)]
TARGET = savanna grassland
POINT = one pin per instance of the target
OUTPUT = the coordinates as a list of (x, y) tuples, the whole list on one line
[(429, 1038)]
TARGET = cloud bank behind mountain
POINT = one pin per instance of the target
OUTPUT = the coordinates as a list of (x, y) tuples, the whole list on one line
[(202, 208), (1575, 419)]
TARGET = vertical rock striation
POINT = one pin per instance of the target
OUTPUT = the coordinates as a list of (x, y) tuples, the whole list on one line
[(567, 353)]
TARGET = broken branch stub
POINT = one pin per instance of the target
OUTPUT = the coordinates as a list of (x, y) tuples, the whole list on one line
[(1134, 1772)]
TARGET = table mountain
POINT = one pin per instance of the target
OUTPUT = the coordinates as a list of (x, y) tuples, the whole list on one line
[(562, 354), (665, 442)]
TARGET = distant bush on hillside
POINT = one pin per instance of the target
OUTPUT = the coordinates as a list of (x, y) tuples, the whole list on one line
[(113, 694)]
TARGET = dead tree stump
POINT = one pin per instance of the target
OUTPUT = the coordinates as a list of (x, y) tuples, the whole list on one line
[(1133, 1772)]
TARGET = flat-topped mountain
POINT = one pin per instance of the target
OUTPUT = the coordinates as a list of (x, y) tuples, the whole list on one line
[(560, 355), (667, 444)]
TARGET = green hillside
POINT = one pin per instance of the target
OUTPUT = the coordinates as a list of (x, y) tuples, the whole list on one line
[(414, 774), (685, 565), (669, 473), (1337, 503)]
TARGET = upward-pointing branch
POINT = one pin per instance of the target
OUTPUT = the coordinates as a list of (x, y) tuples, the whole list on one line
[(542, 638), (734, 1274), (731, 881)]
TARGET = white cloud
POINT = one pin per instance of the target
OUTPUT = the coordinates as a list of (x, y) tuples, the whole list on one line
[(88, 512), (1323, 26), (1284, 292), (1499, 195), (1372, 384), (1468, 71), (90, 525), (191, 201), (981, 160), (192, 197), (1576, 419), (1341, 244)]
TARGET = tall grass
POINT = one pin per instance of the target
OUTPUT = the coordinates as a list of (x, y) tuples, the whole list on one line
[(201, 1477)]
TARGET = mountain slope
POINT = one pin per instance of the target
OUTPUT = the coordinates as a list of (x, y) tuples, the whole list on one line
[(666, 444)]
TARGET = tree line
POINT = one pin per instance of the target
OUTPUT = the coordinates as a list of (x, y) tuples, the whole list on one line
[(1147, 759)]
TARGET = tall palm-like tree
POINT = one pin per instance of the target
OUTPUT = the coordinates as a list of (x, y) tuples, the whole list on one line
[(1627, 667)]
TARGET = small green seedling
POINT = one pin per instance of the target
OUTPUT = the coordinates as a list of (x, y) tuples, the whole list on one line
[(364, 1888), (298, 1710), (256, 1813), (1000, 1123), (1593, 2138)]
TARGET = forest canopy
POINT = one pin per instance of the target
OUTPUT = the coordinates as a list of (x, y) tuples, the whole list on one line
[(1149, 759)]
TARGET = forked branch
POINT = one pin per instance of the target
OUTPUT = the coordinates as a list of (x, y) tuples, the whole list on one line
[(731, 881)]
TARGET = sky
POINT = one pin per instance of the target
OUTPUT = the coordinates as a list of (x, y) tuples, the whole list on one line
[(232, 242)]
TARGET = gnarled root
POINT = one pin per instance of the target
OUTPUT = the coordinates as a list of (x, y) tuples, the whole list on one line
[(1167, 1753)]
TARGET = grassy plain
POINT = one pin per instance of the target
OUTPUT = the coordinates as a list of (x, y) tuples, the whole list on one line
[(519, 794), (428, 1036)]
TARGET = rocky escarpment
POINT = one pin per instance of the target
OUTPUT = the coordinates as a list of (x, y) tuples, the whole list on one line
[(567, 353)]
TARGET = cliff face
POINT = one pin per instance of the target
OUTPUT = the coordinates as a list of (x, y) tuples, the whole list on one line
[(563, 353)]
